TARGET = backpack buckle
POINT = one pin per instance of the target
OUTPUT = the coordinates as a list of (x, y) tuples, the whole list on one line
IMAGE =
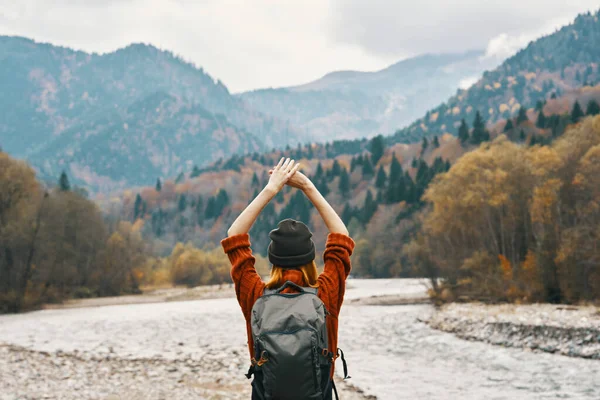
[(263, 358)]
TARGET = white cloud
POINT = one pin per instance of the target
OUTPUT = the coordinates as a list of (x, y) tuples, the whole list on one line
[(396, 28), (468, 82), (275, 43), (505, 45)]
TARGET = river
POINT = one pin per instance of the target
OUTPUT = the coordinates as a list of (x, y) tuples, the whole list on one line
[(390, 353)]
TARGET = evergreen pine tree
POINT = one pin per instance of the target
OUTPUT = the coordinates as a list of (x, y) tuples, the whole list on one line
[(319, 171), (309, 152), (209, 211), (436, 142), (379, 197), (414, 163), (577, 112), (157, 222), (158, 185), (359, 161), (395, 169), (199, 210), (522, 136), (424, 175), (222, 201), (369, 208), (347, 214), (63, 182), (593, 108), (335, 169), (541, 120), (137, 207), (480, 134), (539, 105), (322, 186), (195, 172), (411, 195), (381, 178), (532, 140), (522, 116), (279, 198), (182, 205), (509, 125), (377, 148), (344, 184), (463, 132), (424, 145), (255, 181), (367, 167)]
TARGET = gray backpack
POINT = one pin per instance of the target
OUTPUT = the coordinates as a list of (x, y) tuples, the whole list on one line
[(291, 357)]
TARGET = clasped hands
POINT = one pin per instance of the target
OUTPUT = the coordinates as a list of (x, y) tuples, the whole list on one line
[(286, 173)]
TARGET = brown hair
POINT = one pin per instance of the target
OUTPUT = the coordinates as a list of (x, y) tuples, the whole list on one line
[(309, 275)]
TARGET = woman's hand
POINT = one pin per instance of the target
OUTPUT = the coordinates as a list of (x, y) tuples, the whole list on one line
[(281, 174), (298, 180)]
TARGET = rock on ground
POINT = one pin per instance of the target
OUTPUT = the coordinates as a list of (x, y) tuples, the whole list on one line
[(568, 330)]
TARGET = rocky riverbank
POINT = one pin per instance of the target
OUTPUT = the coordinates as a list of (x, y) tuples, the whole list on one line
[(568, 330), (27, 374)]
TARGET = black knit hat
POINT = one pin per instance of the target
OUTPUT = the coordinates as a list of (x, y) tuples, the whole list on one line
[(291, 244)]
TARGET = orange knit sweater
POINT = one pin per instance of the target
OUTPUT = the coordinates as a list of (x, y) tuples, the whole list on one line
[(332, 281)]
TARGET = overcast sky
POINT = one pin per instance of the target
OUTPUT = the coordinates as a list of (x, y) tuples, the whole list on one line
[(270, 43)]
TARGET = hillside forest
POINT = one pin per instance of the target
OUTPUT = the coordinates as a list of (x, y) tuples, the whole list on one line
[(503, 212), (391, 197)]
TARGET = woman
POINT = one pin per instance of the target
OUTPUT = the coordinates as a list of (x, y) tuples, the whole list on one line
[(292, 253)]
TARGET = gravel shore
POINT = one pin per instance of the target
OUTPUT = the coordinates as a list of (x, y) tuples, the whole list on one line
[(27, 374), (568, 330)]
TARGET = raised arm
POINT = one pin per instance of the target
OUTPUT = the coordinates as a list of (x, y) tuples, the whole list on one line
[(280, 175), (248, 284), (338, 249), (333, 222)]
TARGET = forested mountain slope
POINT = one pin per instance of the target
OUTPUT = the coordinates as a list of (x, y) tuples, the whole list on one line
[(61, 108)]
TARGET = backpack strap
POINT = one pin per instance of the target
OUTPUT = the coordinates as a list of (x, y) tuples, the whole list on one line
[(335, 390), (288, 284), (341, 353)]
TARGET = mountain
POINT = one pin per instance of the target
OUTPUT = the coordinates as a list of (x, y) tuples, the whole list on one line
[(61, 108), (353, 104), (547, 67), (154, 137)]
